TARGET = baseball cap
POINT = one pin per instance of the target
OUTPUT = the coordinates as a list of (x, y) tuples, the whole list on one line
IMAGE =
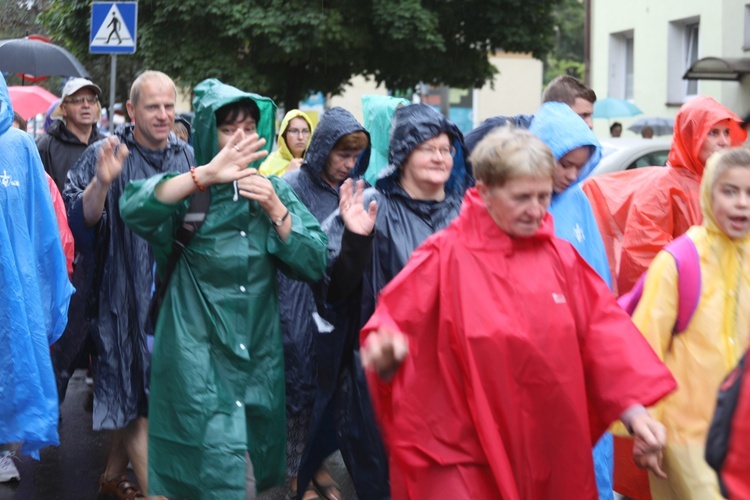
[(71, 87)]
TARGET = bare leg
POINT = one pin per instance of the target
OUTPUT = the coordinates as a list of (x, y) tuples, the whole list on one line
[(135, 445), (249, 479), (117, 461)]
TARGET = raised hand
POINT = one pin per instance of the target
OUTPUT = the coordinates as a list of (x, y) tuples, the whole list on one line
[(383, 352), (232, 161), (355, 217), (111, 157)]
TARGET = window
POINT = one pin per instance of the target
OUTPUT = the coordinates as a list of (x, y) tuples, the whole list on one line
[(691, 44), (621, 65), (683, 48)]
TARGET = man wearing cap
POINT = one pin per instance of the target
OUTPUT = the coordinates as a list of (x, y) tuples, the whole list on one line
[(72, 131)]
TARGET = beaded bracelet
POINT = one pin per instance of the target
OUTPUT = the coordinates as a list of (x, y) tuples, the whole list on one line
[(195, 179)]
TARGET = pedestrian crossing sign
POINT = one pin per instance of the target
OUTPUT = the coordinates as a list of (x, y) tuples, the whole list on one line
[(113, 27)]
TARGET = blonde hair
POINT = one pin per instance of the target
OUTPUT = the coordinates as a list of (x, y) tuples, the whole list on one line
[(135, 89), (508, 153), (730, 158)]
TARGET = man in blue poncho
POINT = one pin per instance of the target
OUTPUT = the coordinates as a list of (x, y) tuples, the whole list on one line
[(34, 298)]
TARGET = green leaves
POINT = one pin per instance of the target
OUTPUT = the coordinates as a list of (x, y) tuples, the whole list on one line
[(287, 48)]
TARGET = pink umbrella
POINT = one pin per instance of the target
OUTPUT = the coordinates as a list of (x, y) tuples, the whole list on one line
[(31, 100)]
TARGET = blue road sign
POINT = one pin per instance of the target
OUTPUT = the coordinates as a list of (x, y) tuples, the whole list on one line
[(113, 27)]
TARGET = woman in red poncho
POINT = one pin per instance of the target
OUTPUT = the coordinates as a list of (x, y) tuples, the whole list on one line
[(640, 211), (499, 355)]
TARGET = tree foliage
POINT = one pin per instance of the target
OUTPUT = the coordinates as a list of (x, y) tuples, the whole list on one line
[(18, 17), (288, 48), (566, 58)]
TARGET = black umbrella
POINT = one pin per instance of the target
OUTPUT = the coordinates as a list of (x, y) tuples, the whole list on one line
[(33, 57)]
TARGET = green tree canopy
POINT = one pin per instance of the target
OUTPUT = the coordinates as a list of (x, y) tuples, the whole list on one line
[(287, 49), (566, 58)]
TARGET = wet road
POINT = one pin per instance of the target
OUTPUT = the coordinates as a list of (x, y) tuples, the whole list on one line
[(71, 470)]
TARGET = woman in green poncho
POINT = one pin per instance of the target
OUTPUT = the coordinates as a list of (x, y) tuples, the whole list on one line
[(217, 379)]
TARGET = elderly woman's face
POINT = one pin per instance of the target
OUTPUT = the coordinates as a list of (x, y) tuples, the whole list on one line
[(430, 163), (519, 205)]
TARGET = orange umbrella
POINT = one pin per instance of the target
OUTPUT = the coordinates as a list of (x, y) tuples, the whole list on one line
[(31, 100)]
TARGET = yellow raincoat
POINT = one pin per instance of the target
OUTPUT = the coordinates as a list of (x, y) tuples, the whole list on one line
[(278, 161), (703, 354)]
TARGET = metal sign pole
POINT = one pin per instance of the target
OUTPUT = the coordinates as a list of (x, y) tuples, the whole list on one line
[(111, 111)]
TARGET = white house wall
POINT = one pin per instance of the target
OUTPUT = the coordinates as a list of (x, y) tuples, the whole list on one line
[(721, 34)]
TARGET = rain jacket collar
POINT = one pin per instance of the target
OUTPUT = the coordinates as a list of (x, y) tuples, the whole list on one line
[(692, 124), (486, 235), (283, 148), (560, 128), (155, 158), (210, 95), (411, 126), (333, 125), (59, 130)]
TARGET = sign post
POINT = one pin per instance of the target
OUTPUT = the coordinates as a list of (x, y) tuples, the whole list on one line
[(113, 31)]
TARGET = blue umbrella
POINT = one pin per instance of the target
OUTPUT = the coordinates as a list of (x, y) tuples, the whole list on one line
[(609, 107)]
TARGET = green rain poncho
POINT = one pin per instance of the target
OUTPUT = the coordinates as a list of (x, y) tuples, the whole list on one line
[(217, 376)]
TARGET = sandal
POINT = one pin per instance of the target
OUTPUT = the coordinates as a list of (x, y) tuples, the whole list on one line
[(329, 491), (292, 495), (120, 488)]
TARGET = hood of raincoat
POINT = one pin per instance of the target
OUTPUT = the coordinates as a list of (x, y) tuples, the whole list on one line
[(560, 128), (36, 291), (691, 126), (333, 125), (378, 113), (6, 108), (411, 126), (283, 148), (210, 95), (707, 184)]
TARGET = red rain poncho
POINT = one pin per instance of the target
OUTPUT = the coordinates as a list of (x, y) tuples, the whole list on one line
[(736, 470), (519, 360), (640, 211)]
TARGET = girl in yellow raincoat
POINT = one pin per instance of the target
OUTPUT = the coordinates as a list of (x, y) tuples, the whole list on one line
[(717, 334)]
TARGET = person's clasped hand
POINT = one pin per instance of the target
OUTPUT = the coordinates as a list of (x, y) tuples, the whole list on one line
[(383, 351), (649, 437)]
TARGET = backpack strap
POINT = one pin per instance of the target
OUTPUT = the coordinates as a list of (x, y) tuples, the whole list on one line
[(688, 279), (191, 223)]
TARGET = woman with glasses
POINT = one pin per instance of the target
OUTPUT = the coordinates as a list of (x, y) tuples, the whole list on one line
[(293, 140), (339, 149), (418, 193)]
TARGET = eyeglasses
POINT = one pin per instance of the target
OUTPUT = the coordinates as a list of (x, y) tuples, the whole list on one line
[(92, 99), (445, 152), (298, 131)]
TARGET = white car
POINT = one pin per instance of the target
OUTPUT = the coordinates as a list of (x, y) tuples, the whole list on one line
[(625, 154)]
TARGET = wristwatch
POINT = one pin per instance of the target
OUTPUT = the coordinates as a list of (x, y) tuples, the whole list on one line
[(279, 222)]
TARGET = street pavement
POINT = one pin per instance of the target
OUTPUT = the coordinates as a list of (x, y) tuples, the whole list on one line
[(71, 471)]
